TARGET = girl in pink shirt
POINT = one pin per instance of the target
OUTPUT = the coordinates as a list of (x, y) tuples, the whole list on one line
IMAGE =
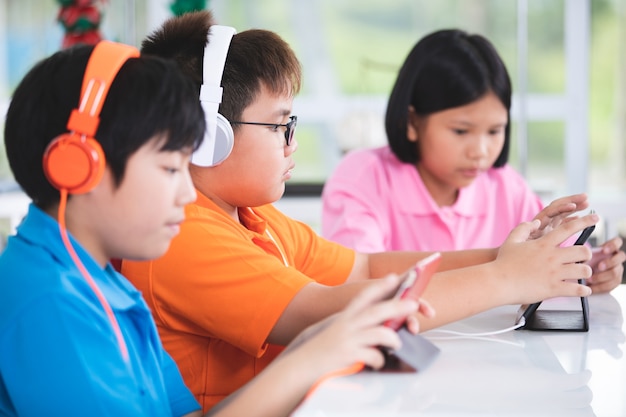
[(443, 182)]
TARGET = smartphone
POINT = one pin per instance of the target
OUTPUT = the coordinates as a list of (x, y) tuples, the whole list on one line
[(414, 283)]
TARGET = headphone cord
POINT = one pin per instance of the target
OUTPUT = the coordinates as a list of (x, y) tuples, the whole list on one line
[(349, 370), (89, 279)]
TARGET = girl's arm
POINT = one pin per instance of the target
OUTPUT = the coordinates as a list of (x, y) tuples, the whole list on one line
[(524, 271)]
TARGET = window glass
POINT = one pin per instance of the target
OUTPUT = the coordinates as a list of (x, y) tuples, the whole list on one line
[(351, 51), (29, 32)]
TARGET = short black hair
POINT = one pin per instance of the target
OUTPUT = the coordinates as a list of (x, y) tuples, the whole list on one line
[(148, 97), (255, 57), (445, 69)]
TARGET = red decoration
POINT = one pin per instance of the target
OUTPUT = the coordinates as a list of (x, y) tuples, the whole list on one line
[(81, 21)]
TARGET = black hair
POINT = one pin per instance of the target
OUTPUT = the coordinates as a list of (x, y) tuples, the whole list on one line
[(445, 69), (255, 57), (148, 97)]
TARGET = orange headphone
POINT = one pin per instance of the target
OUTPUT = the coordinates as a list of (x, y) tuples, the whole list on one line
[(75, 161)]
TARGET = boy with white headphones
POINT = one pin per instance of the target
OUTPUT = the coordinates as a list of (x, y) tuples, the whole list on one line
[(242, 279)]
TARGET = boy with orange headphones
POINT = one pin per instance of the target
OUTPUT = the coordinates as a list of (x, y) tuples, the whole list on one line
[(242, 279), (75, 337), (100, 140)]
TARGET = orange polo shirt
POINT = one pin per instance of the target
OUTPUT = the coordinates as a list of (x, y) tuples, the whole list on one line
[(218, 291)]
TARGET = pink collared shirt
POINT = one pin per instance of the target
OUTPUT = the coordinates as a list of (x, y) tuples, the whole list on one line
[(373, 202)]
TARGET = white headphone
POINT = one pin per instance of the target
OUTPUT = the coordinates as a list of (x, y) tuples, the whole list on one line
[(218, 137)]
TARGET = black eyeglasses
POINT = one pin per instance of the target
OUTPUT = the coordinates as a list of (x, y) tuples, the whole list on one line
[(290, 127)]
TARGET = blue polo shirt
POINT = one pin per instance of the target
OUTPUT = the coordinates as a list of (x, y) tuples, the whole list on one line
[(58, 353)]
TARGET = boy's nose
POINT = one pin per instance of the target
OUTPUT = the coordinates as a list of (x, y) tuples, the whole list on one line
[(293, 146), (187, 193)]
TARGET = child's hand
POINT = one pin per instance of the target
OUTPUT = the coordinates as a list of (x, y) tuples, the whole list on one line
[(557, 212), (607, 264), (412, 322), (355, 334), (540, 269)]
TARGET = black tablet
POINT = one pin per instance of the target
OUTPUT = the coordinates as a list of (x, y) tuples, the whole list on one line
[(557, 320)]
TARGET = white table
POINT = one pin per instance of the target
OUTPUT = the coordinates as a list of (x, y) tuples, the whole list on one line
[(518, 373)]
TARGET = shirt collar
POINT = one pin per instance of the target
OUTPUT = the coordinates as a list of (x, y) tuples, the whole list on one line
[(251, 221), (404, 176), (40, 229)]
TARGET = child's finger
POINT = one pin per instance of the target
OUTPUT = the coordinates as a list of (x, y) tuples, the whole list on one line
[(426, 309), (523, 230), (379, 289), (567, 229)]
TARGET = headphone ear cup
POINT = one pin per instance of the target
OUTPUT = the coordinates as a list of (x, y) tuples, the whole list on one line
[(74, 163), (216, 146), (224, 140)]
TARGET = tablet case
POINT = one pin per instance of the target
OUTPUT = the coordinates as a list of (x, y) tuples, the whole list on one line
[(558, 320), (555, 320), (416, 354)]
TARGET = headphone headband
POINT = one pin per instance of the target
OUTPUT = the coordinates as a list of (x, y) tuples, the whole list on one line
[(104, 63)]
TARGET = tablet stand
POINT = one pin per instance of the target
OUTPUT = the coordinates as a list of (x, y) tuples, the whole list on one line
[(557, 320)]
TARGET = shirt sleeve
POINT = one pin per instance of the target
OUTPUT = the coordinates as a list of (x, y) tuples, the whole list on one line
[(219, 281), (352, 209), (326, 262), (216, 282)]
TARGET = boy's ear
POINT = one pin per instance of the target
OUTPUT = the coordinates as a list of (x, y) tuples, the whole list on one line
[(412, 123)]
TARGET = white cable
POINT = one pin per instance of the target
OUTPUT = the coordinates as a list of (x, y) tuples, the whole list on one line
[(520, 323), (520, 344)]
